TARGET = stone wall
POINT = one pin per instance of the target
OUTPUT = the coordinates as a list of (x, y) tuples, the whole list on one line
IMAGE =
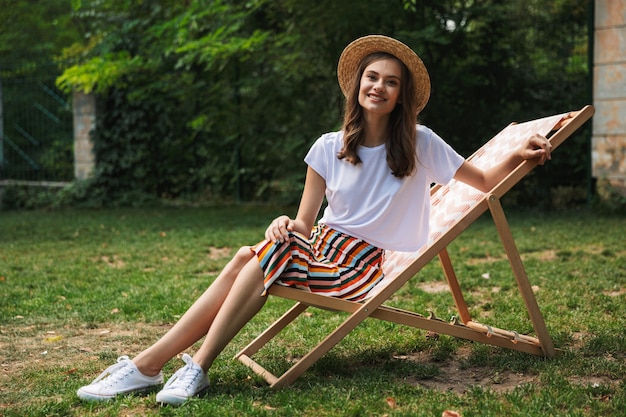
[(609, 93)]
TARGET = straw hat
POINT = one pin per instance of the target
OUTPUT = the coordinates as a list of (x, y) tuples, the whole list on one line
[(354, 53)]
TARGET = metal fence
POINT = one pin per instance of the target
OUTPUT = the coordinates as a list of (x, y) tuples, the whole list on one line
[(36, 127)]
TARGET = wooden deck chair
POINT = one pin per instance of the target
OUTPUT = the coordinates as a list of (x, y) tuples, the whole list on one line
[(454, 207)]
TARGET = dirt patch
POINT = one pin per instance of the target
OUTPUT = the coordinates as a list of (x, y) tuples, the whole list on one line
[(486, 260), (434, 287), (77, 353), (219, 253), (68, 349), (453, 377), (74, 351), (546, 255), (113, 261), (34, 355), (615, 293)]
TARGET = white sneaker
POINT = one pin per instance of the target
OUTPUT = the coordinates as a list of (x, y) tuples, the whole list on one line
[(189, 381), (121, 378)]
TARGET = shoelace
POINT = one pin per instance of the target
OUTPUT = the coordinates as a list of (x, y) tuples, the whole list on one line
[(185, 376), (111, 374)]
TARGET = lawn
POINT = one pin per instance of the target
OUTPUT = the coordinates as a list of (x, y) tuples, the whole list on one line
[(78, 288)]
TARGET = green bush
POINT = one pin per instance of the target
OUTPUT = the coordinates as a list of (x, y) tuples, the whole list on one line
[(222, 100), (610, 197)]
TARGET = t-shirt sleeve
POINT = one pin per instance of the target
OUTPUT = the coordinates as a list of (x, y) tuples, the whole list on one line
[(437, 156), (318, 156)]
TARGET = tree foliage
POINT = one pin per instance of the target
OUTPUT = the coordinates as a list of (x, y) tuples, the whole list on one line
[(35, 33), (221, 99), (35, 122)]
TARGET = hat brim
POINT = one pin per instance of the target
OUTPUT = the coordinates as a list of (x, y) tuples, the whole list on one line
[(354, 53)]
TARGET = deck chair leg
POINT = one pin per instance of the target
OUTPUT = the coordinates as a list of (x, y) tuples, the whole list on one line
[(325, 345), (520, 275), (245, 355), (274, 329), (453, 283)]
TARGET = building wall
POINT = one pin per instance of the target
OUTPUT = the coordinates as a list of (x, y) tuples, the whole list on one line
[(609, 95)]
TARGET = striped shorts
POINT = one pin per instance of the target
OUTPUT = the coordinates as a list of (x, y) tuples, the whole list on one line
[(329, 263)]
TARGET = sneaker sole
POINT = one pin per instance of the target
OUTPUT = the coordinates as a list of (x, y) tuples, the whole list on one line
[(87, 396), (175, 400)]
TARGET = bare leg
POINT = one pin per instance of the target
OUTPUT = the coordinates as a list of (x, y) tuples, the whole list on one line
[(242, 303), (195, 323)]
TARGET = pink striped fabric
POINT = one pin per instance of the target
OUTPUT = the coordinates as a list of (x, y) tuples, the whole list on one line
[(330, 263)]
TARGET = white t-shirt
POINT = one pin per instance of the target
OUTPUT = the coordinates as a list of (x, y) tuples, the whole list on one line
[(368, 202)]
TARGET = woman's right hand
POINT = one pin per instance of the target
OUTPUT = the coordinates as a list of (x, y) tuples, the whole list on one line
[(279, 228)]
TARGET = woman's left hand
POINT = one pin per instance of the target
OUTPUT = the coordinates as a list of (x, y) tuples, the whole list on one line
[(537, 147)]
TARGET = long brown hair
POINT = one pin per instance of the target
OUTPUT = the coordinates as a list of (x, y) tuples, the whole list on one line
[(400, 145)]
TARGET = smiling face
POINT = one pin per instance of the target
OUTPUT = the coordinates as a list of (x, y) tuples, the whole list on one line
[(380, 86)]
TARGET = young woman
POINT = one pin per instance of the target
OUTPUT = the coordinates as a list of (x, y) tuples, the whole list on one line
[(375, 174)]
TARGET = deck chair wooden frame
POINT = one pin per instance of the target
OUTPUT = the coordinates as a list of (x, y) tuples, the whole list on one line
[(444, 230)]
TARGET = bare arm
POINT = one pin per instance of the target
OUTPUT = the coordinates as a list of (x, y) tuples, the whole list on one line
[(310, 204), (536, 147)]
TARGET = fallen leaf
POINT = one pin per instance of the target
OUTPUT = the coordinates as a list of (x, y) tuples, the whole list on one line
[(449, 413), (52, 339), (391, 402), (430, 335), (115, 311)]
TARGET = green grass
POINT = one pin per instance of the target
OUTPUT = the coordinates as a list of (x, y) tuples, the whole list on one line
[(78, 288)]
